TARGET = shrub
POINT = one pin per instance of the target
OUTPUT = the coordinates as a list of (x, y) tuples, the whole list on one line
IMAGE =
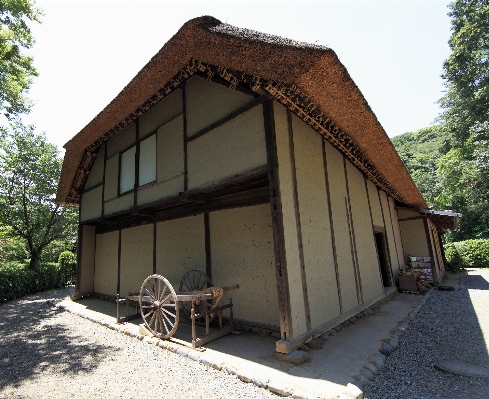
[(469, 253), (67, 264), (17, 280)]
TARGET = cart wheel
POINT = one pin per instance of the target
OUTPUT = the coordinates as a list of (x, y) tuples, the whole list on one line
[(159, 306), (195, 280)]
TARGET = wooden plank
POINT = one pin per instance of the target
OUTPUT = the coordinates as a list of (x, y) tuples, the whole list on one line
[(212, 336), (277, 222), (298, 222)]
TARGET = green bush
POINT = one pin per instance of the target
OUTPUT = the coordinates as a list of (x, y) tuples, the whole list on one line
[(470, 253), (17, 280), (67, 264)]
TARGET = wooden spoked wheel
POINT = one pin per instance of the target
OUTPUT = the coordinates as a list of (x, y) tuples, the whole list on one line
[(195, 280), (159, 306)]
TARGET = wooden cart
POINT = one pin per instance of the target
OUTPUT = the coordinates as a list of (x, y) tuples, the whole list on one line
[(159, 305)]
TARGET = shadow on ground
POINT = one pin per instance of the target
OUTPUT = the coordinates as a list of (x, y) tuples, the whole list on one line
[(34, 338)]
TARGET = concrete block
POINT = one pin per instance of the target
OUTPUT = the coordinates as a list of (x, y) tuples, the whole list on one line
[(244, 374), (229, 369), (183, 351), (377, 360), (371, 367), (194, 355), (260, 380)]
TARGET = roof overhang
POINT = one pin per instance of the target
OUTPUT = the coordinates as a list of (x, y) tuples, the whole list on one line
[(443, 220), (330, 100)]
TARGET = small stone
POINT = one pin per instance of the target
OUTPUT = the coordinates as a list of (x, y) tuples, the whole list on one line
[(377, 360), (304, 348), (244, 374), (206, 360), (332, 332), (367, 374), (364, 381), (394, 343), (360, 315), (260, 380), (163, 344), (194, 355), (388, 348), (127, 332), (338, 328), (279, 388), (352, 320), (371, 367), (384, 352), (325, 336), (346, 323), (265, 333), (296, 357), (183, 351), (229, 369), (316, 343), (217, 363), (368, 311)]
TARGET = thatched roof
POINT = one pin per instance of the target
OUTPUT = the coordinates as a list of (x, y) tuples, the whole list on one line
[(313, 71)]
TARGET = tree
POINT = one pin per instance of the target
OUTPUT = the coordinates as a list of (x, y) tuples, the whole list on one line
[(16, 68), (466, 71), (29, 173)]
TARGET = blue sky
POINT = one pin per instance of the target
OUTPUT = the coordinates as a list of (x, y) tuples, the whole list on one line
[(87, 51)]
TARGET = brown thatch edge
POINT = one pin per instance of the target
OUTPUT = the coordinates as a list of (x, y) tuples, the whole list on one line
[(313, 73)]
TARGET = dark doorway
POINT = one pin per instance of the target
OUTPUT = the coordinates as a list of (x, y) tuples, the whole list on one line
[(383, 260)]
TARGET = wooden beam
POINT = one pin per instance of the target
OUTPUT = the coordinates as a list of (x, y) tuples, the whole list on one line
[(277, 222)]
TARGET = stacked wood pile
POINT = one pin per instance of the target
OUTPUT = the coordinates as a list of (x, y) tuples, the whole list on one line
[(422, 279)]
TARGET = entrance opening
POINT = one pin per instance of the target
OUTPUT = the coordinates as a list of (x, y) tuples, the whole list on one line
[(383, 260)]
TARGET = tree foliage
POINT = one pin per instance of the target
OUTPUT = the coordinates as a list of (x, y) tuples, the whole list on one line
[(16, 67), (29, 173), (466, 71)]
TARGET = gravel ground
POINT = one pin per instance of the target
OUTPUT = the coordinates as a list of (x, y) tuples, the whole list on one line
[(49, 353), (451, 325)]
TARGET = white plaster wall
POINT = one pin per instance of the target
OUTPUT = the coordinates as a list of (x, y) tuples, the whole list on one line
[(180, 247), (170, 150), (111, 178), (414, 238), (291, 244), (163, 112), (368, 263), (136, 257), (242, 253), (97, 171), (91, 204), (234, 148), (106, 261), (317, 243), (208, 102), (373, 197), (119, 204), (337, 188), (147, 160), (85, 284), (122, 140), (397, 233)]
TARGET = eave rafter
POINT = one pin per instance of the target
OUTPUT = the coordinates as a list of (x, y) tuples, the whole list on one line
[(288, 95)]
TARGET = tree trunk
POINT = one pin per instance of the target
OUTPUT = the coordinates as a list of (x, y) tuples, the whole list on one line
[(35, 256)]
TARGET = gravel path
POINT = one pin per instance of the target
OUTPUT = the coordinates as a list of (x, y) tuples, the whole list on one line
[(49, 353), (451, 325)]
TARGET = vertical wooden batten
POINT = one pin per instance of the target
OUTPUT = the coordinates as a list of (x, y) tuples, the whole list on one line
[(331, 223), (185, 138), (298, 222), (353, 244), (154, 247), (208, 258), (79, 259), (373, 229), (277, 223), (119, 263), (393, 234), (430, 247)]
